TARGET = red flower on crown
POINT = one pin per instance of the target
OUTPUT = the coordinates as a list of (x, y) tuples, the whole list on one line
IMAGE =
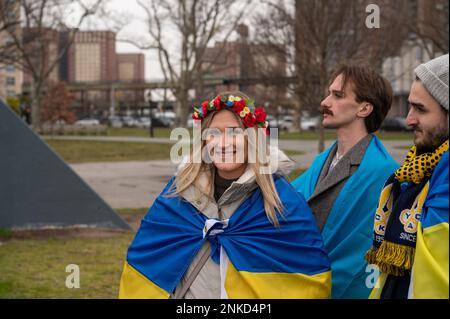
[(249, 120), (239, 106), (216, 103), (205, 107), (244, 108), (260, 115)]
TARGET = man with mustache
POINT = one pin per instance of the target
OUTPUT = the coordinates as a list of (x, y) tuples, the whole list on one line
[(410, 239), (343, 183)]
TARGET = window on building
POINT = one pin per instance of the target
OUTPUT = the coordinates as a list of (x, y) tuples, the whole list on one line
[(10, 93), (10, 81), (10, 68)]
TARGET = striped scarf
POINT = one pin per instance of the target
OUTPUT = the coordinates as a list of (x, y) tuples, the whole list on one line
[(399, 211)]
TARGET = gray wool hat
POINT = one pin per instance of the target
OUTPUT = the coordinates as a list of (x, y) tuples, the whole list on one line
[(434, 76)]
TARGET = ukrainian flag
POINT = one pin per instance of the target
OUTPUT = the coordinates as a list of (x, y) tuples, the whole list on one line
[(429, 276), (258, 260)]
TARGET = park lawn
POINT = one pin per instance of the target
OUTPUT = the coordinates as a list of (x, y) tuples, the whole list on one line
[(284, 135), (331, 135), (295, 173), (400, 147), (293, 153), (36, 268), (138, 132), (96, 151)]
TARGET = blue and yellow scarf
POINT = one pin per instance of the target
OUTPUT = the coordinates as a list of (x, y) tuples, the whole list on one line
[(262, 261), (399, 212)]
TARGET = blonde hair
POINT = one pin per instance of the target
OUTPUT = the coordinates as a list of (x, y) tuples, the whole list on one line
[(189, 174)]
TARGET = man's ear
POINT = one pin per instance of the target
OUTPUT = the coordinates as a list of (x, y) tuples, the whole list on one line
[(365, 109)]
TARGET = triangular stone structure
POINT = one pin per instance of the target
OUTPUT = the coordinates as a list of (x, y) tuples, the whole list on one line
[(38, 189)]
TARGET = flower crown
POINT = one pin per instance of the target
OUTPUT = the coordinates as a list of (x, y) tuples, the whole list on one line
[(244, 108)]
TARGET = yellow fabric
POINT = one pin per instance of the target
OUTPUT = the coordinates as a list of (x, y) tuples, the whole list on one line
[(394, 258), (249, 285), (416, 167), (430, 270), (376, 291), (133, 285), (384, 210)]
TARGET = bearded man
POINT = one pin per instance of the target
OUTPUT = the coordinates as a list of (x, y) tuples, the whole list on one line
[(410, 239)]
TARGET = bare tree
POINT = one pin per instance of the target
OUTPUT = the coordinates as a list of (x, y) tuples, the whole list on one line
[(31, 38), (180, 31), (428, 22), (320, 34)]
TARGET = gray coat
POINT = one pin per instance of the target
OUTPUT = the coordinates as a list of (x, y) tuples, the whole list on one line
[(329, 185)]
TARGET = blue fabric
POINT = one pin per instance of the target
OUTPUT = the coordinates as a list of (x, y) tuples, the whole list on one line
[(171, 234), (435, 208), (347, 233)]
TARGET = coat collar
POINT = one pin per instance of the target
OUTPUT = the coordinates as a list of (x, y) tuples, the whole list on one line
[(343, 168)]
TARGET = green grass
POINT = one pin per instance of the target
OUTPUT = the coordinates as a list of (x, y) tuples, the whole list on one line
[(402, 147), (293, 153), (5, 232), (331, 135), (101, 151), (295, 173), (307, 135), (95, 151), (138, 132), (284, 135), (36, 268), (395, 136)]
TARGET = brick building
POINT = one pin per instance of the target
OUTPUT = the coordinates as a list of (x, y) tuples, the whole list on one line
[(245, 60), (11, 77), (131, 67)]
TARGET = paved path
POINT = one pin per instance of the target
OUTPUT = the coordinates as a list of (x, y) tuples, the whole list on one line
[(137, 184)]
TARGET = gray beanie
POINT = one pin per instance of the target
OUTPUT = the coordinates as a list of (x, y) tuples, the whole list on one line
[(434, 76)]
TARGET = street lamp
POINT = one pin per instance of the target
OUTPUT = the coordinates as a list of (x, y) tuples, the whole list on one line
[(151, 105)]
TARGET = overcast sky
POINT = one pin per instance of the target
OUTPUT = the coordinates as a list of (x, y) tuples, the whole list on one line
[(136, 27), (132, 13)]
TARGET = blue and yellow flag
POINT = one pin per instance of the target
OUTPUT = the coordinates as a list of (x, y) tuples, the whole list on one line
[(347, 232), (429, 275), (262, 261)]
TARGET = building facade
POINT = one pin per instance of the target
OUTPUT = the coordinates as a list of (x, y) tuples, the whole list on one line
[(90, 58), (429, 20), (131, 67), (11, 77), (251, 62)]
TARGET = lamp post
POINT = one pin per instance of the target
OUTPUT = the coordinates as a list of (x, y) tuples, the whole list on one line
[(151, 107)]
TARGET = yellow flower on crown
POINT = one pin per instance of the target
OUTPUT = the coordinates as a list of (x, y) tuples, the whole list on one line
[(231, 98), (245, 111), (237, 98)]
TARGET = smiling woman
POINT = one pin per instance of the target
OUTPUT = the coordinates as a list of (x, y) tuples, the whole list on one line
[(225, 227)]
